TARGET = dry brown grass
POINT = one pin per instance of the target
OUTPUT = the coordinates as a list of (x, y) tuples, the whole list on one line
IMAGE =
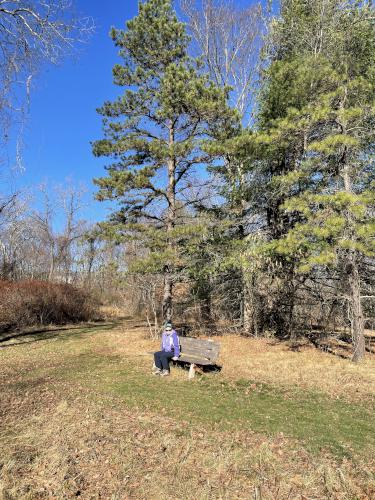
[(275, 363), (111, 312), (74, 446), (272, 362), (63, 439)]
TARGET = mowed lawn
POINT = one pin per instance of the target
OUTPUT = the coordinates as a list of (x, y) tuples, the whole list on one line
[(81, 416)]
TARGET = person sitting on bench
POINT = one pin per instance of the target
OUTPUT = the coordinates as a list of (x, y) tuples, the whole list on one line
[(170, 349)]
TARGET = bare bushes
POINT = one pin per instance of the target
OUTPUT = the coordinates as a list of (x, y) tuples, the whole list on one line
[(32, 303)]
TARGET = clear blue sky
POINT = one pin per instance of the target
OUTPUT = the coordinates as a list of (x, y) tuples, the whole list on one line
[(63, 118)]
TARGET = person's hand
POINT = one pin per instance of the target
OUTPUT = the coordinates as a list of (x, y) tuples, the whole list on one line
[(175, 358)]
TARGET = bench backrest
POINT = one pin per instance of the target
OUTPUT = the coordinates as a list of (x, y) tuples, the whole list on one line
[(205, 349)]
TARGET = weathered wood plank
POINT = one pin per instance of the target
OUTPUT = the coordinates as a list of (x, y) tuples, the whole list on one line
[(192, 341), (196, 349), (202, 353), (199, 351)]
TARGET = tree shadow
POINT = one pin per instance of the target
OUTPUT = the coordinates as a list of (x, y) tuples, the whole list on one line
[(62, 333)]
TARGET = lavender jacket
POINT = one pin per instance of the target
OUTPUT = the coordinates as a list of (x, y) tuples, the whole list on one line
[(170, 343)]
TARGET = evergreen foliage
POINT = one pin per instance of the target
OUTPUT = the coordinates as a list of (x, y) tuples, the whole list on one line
[(154, 133), (314, 145)]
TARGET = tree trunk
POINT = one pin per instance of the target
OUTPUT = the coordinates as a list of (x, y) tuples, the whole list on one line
[(51, 271), (90, 263), (357, 324), (168, 296), (206, 313), (204, 296), (250, 313), (171, 217), (248, 310)]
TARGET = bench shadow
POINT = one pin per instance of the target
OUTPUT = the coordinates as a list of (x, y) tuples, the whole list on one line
[(201, 368)]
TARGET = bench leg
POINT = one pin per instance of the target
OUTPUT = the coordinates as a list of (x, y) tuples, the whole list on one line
[(192, 371)]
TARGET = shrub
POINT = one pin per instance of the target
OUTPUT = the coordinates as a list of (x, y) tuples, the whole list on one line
[(32, 303)]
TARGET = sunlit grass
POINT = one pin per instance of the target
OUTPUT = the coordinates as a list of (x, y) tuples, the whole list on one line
[(81, 414), (317, 421)]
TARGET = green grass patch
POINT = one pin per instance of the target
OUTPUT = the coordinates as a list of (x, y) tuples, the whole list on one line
[(318, 422)]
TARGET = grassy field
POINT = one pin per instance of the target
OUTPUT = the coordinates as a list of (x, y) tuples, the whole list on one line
[(81, 416)]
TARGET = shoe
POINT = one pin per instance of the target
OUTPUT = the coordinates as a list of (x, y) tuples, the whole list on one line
[(156, 370), (164, 373)]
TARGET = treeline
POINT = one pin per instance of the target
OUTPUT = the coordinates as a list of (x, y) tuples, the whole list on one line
[(48, 257), (44, 236), (56, 267), (246, 176)]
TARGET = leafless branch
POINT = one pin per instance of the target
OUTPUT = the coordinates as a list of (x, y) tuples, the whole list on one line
[(229, 38), (31, 34)]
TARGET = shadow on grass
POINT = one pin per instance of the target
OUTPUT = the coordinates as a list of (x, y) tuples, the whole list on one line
[(62, 333), (185, 365)]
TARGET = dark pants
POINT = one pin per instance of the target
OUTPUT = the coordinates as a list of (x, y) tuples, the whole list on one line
[(162, 359)]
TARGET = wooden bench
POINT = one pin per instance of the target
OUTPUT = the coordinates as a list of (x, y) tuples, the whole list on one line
[(198, 353)]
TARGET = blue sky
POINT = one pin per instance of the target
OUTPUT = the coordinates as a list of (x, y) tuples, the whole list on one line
[(63, 118)]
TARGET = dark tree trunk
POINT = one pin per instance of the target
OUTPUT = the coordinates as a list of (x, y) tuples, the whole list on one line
[(168, 296), (357, 324), (252, 324), (206, 312), (283, 308), (204, 297)]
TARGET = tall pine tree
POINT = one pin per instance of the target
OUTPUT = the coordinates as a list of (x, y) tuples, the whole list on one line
[(154, 134)]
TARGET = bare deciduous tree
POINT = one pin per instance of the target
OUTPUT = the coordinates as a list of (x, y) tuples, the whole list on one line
[(32, 33), (12, 212), (59, 243), (229, 38)]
